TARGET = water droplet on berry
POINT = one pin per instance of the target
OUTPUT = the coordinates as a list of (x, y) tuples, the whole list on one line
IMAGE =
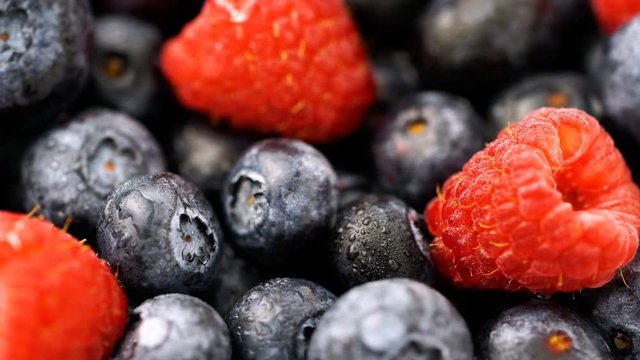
[(394, 265), (366, 221), (352, 252)]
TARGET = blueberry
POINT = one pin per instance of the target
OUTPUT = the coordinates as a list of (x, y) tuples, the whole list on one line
[(232, 279), (380, 237), (44, 60), (620, 80), (395, 75), (205, 156), (615, 309), (391, 319), (276, 319), (541, 330), (123, 68), (161, 234), (70, 171), (351, 187), (425, 139), (279, 199), (175, 327), (544, 90)]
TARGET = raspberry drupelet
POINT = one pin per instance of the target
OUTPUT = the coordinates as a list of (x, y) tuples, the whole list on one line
[(548, 206)]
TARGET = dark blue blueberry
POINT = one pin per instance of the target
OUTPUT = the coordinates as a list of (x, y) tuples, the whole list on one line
[(70, 171), (541, 330), (44, 60), (568, 90), (232, 279), (380, 237), (351, 187), (161, 234), (395, 75), (175, 327), (279, 199), (620, 79), (424, 140), (615, 309), (205, 155), (391, 319), (124, 69), (275, 320)]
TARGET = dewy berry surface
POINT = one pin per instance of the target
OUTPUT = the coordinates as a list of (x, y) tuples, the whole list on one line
[(548, 206), (292, 67)]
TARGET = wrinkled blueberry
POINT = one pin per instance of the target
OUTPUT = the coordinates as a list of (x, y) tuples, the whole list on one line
[(205, 156), (44, 60), (123, 68), (391, 319), (380, 237), (175, 327), (425, 139), (276, 319), (541, 330), (161, 234), (561, 90), (280, 198), (70, 171)]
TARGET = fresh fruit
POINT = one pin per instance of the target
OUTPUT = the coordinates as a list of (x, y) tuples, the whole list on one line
[(69, 171), (291, 67), (59, 300), (175, 327), (275, 320), (613, 14), (380, 237), (161, 234), (426, 138), (391, 319), (548, 206), (544, 330), (280, 198)]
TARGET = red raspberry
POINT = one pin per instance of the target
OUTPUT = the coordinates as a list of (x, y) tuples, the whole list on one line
[(613, 14), (293, 67), (549, 206), (57, 299)]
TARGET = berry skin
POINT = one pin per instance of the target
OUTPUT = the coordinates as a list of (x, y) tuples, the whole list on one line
[(280, 198), (544, 330), (391, 319), (175, 327), (70, 171), (424, 140), (548, 206), (275, 320), (161, 234), (380, 237), (613, 14), (292, 67), (59, 300)]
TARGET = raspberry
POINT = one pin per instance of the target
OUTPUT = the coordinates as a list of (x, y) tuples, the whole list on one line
[(613, 14), (57, 299), (548, 206), (292, 67)]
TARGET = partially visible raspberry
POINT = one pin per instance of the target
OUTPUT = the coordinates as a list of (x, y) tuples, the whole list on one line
[(613, 14), (58, 300), (548, 206), (292, 67)]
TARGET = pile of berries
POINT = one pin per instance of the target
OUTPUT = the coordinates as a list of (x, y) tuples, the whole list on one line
[(319, 179)]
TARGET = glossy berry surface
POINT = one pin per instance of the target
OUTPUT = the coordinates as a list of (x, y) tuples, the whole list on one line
[(397, 319), (161, 234), (175, 327), (526, 213), (279, 199), (275, 68), (541, 330), (426, 138), (69, 171), (275, 320), (55, 288), (380, 237)]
